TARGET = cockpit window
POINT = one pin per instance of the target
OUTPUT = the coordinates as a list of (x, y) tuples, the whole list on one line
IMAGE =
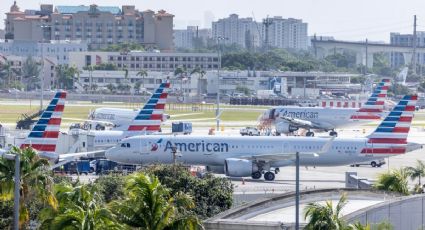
[(125, 145)]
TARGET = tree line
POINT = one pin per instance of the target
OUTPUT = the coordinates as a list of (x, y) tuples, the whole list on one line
[(158, 197)]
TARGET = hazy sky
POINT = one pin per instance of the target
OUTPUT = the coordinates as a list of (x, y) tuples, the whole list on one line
[(343, 19)]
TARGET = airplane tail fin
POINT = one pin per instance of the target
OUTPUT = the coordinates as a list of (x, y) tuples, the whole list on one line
[(374, 106), (44, 135), (149, 118), (394, 129)]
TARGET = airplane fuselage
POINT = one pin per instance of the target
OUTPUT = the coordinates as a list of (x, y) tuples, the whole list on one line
[(214, 150), (326, 118)]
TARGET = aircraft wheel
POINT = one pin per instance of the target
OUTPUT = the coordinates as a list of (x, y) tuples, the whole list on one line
[(309, 134), (373, 164), (269, 176), (333, 134), (256, 175)]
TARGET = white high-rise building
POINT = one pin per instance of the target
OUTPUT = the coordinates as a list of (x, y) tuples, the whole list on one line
[(244, 32), (187, 38), (287, 33)]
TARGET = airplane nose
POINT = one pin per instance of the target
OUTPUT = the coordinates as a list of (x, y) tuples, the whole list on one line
[(110, 153)]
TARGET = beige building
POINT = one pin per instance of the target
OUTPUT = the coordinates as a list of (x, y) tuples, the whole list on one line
[(100, 26), (48, 73), (149, 61)]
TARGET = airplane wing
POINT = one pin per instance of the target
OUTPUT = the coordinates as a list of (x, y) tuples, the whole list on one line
[(68, 157), (290, 155)]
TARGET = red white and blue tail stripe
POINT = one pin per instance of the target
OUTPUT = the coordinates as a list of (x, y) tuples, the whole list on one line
[(44, 135), (390, 137), (149, 118), (374, 106)]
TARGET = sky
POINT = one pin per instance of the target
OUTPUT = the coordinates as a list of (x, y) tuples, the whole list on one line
[(351, 20)]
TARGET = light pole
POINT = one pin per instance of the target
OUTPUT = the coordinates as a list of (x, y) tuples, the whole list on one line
[(17, 188), (43, 27), (297, 191), (217, 113)]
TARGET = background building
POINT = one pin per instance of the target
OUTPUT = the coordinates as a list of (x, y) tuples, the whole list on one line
[(56, 50), (149, 61), (100, 26), (278, 32), (48, 73), (244, 32), (287, 33), (396, 58), (191, 37)]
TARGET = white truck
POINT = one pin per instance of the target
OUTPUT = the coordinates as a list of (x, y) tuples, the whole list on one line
[(249, 131)]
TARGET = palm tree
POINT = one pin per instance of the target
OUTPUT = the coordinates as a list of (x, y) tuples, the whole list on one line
[(149, 205), (417, 172), (201, 73), (30, 72), (325, 216), (7, 70), (393, 181), (142, 73), (36, 181), (111, 87), (80, 207)]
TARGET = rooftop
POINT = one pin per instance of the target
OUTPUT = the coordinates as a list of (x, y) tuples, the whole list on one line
[(76, 9)]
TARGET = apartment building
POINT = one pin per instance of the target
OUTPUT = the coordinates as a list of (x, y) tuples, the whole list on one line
[(48, 73), (100, 26), (287, 33), (396, 58), (189, 37), (244, 32), (56, 50), (149, 61)]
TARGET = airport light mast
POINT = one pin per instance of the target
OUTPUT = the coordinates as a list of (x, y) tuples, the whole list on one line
[(217, 113)]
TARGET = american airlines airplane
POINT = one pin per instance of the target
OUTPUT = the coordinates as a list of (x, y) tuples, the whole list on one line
[(44, 135), (254, 156), (117, 118), (288, 119), (146, 121)]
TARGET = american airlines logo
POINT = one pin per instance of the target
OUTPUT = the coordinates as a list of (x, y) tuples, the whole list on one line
[(156, 145), (301, 115), (197, 147), (105, 116)]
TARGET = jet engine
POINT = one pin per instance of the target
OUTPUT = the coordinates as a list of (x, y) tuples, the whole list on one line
[(239, 167), (284, 127), (215, 169)]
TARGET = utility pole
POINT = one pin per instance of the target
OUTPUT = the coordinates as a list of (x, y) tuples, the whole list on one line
[(367, 59), (267, 22), (297, 191), (414, 45)]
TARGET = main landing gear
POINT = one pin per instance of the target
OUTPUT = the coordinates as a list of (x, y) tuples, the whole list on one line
[(268, 175), (309, 134), (333, 133)]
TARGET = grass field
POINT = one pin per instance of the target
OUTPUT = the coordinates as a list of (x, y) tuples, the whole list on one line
[(10, 113)]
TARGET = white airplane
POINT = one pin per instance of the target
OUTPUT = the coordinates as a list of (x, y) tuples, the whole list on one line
[(44, 135), (146, 121), (119, 118), (288, 119), (253, 156)]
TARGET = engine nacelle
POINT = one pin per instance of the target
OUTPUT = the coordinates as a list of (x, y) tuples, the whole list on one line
[(239, 167), (284, 127), (215, 169)]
